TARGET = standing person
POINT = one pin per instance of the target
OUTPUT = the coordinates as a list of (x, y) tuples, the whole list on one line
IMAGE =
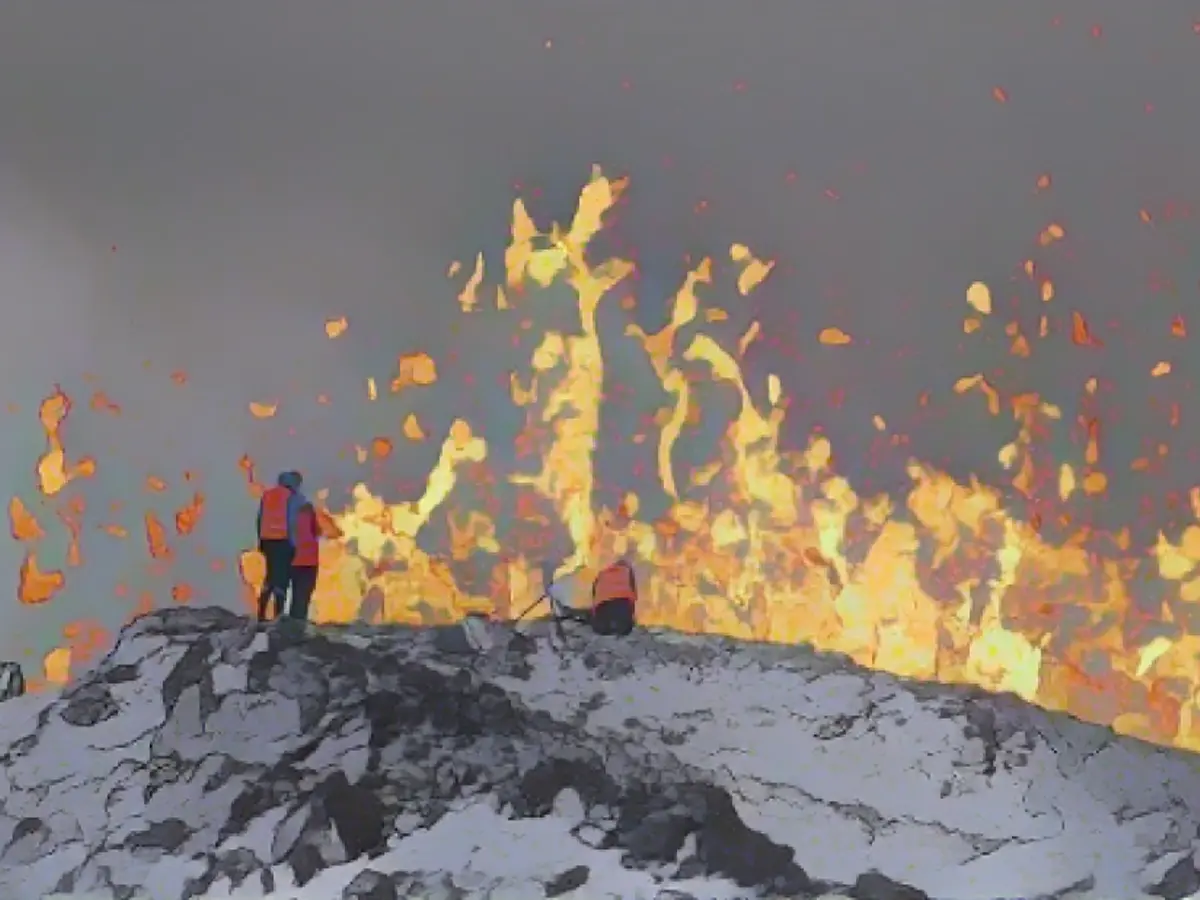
[(306, 563), (278, 512)]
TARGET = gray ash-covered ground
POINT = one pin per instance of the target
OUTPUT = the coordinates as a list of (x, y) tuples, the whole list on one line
[(207, 755)]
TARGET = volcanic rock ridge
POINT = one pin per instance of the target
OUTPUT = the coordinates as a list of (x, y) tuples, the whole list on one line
[(208, 756)]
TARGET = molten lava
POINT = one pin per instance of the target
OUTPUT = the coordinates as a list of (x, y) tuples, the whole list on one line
[(763, 542)]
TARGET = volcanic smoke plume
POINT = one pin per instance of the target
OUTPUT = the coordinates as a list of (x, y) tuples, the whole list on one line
[(870, 331)]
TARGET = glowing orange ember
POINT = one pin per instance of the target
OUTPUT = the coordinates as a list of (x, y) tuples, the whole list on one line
[(53, 472), (414, 369), (263, 410), (21, 523), (35, 586), (156, 538), (1080, 332), (980, 298), (412, 429), (102, 403), (834, 337), (1050, 234), (189, 516)]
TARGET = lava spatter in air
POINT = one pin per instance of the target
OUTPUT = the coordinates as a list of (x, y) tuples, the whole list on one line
[(948, 582), (948, 579), (37, 582), (36, 585), (53, 471)]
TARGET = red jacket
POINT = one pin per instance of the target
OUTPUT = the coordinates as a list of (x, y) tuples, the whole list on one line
[(308, 540)]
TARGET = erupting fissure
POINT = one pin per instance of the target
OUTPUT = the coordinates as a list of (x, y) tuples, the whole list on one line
[(763, 542)]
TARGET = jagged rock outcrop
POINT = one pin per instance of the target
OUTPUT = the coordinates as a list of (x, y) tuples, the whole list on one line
[(229, 752), (206, 753), (12, 681)]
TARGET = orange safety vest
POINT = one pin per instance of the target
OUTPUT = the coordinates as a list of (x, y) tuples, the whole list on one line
[(614, 583), (273, 526), (308, 546)]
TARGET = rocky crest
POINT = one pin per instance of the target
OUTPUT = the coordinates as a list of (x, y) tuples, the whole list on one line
[(205, 753)]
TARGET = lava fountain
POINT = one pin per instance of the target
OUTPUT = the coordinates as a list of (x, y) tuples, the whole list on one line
[(762, 542)]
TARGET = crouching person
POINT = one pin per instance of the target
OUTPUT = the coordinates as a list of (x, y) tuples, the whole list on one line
[(306, 564), (614, 600)]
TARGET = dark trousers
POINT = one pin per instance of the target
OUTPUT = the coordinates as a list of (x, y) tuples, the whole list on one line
[(614, 616), (278, 556), (304, 582)]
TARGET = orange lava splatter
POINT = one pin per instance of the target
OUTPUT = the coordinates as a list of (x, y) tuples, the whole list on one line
[(71, 515), (36, 586), (21, 522), (189, 515), (263, 410), (414, 369), (1050, 234), (979, 297), (1081, 335), (253, 486), (53, 472), (834, 337), (412, 428), (56, 666), (101, 402), (335, 328), (754, 271), (156, 538), (468, 298)]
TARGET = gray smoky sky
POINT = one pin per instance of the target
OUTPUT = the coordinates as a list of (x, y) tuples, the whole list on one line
[(197, 186)]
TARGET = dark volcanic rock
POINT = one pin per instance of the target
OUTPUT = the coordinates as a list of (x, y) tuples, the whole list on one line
[(12, 681), (371, 885), (569, 880), (265, 749), (873, 886), (1180, 882), (208, 753), (89, 705)]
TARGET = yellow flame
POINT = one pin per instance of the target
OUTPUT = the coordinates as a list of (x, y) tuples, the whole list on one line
[(945, 580)]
